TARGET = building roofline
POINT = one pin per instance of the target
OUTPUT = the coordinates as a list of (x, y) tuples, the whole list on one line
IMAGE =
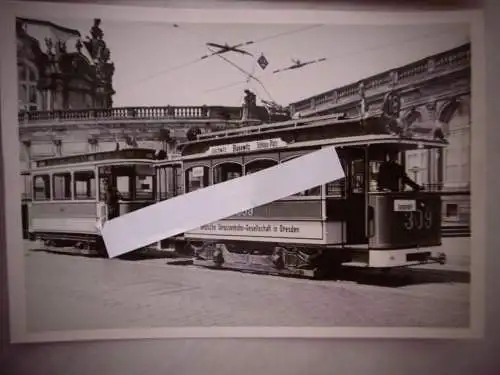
[(385, 72), (51, 24)]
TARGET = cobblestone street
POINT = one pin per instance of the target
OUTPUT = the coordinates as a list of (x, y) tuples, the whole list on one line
[(73, 292)]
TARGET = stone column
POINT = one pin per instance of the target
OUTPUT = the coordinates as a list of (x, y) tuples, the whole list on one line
[(26, 150), (58, 147), (362, 95), (93, 144), (433, 156)]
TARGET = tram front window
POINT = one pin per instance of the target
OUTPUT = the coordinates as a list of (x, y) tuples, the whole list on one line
[(133, 182), (392, 176), (358, 175)]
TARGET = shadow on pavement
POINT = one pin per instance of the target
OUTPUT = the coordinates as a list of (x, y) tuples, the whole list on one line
[(398, 277), (394, 278), (76, 253), (92, 254), (403, 276)]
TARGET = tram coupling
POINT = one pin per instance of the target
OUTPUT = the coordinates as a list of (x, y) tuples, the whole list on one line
[(440, 258)]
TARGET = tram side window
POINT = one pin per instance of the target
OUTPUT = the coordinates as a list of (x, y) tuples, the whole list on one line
[(169, 182), (312, 192), (163, 183), (227, 171), (84, 185), (123, 186), (196, 178), (144, 182), (27, 190), (41, 187), (374, 168), (336, 189), (144, 187), (358, 175), (61, 186), (259, 165)]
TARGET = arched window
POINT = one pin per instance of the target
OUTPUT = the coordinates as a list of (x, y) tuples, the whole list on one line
[(226, 171), (29, 95), (259, 165), (196, 178)]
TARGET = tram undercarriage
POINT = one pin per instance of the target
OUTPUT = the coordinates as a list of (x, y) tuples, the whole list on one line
[(88, 245), (270, 258), (310, 262), (85, 244)]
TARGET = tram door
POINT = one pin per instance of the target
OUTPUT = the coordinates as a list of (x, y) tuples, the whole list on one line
[(169, 181), (132, 187), (363, 163)]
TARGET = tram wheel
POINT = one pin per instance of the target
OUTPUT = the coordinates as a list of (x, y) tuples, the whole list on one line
[(100, 248), (218, 257), (278, 258)]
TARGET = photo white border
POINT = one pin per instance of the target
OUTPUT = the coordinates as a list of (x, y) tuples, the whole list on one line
[(11, 163)]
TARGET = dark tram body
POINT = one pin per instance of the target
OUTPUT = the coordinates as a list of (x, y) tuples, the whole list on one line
[(314, 232)]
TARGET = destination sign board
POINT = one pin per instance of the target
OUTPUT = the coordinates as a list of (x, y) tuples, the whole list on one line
[(246, 146)]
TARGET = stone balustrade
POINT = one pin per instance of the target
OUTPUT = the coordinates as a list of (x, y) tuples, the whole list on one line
[(434, 66), (118, 114)]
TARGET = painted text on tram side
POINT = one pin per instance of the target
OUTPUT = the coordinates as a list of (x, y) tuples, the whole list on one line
[(261, 228), (247, 146), (241, 228)]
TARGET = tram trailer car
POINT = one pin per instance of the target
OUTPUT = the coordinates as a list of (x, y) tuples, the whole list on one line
[(315, 232), (68, 207)]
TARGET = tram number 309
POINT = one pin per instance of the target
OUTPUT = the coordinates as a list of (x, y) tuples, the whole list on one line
[(419, 219)]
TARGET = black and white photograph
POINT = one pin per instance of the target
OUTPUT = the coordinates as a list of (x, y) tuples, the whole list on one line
[(115, 116)]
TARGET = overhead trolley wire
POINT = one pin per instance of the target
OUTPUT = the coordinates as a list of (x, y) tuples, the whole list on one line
[(340, 57), (199, 59), (249, 75)]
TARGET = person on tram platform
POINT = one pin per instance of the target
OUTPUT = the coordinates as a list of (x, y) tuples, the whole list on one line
[(112, 198), (392, 176)]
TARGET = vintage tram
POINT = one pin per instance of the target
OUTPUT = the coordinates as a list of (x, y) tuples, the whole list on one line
[(68, 207), (315, 232)]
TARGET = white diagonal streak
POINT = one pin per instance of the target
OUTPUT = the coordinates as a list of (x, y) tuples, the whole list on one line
[(190, 211)]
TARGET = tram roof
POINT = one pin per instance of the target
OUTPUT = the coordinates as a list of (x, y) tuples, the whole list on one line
[(128, 154), (404, 143), (249, 131), (335, 126)]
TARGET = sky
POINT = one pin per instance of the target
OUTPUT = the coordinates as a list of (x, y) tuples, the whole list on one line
[(158, 64)]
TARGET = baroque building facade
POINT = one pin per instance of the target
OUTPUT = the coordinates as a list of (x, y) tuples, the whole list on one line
[(66, 99), (58, 70)]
